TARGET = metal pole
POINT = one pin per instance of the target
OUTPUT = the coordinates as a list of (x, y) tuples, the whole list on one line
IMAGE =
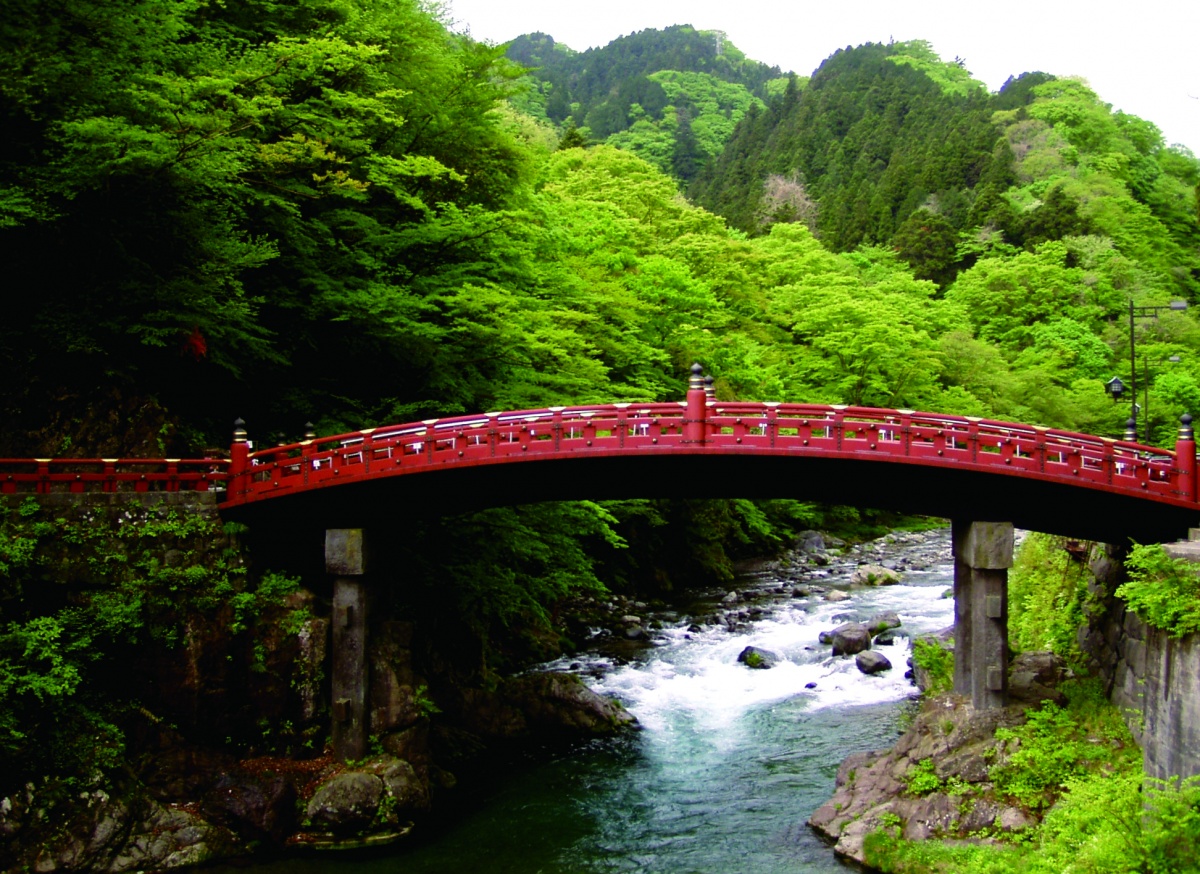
[(1132, 375), (1147, 428)]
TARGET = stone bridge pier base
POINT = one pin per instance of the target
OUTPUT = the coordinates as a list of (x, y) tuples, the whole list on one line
[(345, 561), (983, 553)]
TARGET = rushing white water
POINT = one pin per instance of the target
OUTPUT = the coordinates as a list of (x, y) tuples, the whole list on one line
[(731, 760), (696, 676)]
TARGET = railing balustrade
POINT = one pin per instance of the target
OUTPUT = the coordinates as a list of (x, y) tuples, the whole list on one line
[(831, 431)]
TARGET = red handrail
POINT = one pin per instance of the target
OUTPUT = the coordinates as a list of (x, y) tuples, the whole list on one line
[(692, 426), (820, 430), (77, 475)]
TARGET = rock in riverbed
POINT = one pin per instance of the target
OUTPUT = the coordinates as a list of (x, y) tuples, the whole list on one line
[(871, 662), (753, 657), (874, 575), (851, 638)]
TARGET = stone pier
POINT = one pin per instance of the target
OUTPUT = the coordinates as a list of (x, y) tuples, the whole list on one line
[(345, 561), (983, 553)]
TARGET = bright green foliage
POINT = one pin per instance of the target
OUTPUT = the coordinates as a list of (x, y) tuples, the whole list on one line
[(921, 779), (938, 663), (1005, 297), (1047, 589), (668, 96), (1038, 210), (863, 337), (709, 107), (1105, 823), (952, 78), (221, 190), (1081, 766), (1058, 744), (85, 600), (1162, 590)]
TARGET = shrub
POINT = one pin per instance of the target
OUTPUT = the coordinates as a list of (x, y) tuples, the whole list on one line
[(938, 663), (1046, 590), (1162, 590)]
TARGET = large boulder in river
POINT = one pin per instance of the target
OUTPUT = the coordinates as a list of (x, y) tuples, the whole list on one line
[(406, 788), (881, 622), (809, 542), (871, 662), (126, 831), (851, 638), (874, 575), (753, 657), (556, 703), (262, 804), (345, 802)]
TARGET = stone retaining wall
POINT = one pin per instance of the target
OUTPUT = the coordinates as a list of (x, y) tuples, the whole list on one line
[(1152, 677)]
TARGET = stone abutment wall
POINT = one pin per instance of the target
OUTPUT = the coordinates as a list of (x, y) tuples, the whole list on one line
[(1153, 677)]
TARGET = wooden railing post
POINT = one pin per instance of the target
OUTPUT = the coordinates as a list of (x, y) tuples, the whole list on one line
[(694, 419), (1185, 459), (239, 462), (622, 426), (906, 430), (556, 424)]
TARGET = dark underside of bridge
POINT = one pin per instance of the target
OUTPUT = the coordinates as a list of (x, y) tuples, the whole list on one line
[(953, 493)]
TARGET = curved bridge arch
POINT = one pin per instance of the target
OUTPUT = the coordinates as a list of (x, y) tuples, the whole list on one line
[(953, 466)]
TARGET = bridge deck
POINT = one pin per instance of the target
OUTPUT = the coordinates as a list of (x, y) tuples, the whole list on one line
[(954, 466)]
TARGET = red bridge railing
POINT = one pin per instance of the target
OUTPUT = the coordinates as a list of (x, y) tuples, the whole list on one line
[(699, 425), (75, 475)]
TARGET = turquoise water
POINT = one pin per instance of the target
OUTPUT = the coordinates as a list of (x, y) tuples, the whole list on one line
[(728, 767)]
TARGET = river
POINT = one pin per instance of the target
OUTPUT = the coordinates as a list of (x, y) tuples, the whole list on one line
[(730, 761)]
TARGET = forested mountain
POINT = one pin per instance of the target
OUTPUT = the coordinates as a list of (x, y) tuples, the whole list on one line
[(671, 96), (890, 145), (340, 211)]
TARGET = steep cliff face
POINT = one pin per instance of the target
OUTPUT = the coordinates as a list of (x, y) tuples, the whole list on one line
[(1152, 677), (182, 714)]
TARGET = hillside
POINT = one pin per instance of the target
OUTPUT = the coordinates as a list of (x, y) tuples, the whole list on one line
[(890, 145), (341, 212), (671, 96)]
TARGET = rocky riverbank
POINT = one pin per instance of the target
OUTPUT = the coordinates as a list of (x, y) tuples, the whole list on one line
[(816, 567), (936, 781), (221, 753), (184, 798)]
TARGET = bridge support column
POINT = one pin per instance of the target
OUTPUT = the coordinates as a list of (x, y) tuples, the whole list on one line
[(983, 553), (346, 562)]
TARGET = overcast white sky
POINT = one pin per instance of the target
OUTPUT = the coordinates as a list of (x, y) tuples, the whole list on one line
[(1140, 57)]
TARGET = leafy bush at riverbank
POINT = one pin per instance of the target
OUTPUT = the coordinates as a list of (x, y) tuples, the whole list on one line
[(937, 662), (1162, 590), (1046, 591), (1104, 824), (87, 602), (1060, 744), (1080, 765)]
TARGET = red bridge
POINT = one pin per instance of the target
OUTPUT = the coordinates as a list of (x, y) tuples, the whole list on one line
[(982, 474), (952, 466)]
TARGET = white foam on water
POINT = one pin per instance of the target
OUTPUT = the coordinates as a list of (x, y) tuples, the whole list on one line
[(693, 682)]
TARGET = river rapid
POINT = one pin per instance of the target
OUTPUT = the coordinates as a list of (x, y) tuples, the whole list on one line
[(730, 761)]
